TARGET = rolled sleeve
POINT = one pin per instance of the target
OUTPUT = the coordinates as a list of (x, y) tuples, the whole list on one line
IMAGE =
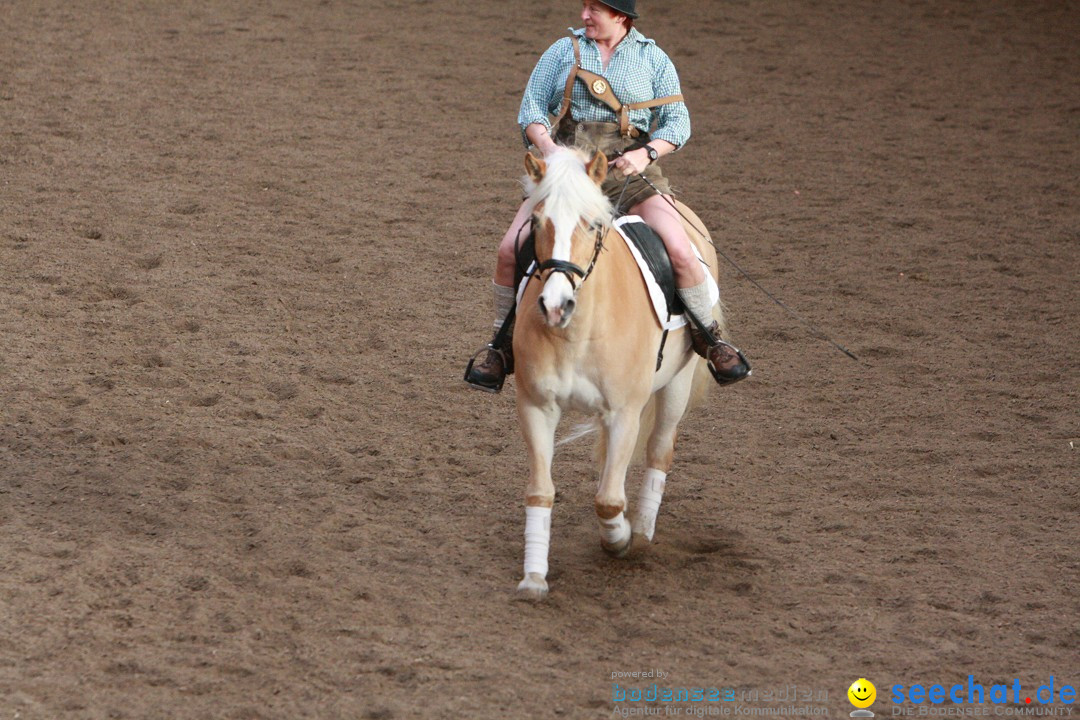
[(543, 92), (673, 119)]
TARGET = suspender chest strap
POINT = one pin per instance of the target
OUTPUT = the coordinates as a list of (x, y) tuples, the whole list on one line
[(600, 88)]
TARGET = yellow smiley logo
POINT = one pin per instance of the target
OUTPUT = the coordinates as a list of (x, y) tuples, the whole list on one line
[(862, 693), (599, 87)]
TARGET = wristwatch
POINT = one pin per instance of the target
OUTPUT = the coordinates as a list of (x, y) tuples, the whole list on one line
[(653, 155)]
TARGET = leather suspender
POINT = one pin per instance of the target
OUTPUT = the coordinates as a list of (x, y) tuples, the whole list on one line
[(570, 77), (600, 88)]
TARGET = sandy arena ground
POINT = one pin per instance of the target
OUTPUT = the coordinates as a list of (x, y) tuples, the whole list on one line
[(245, 250)]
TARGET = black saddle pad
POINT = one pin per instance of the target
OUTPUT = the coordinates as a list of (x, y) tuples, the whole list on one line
[(656, 256)]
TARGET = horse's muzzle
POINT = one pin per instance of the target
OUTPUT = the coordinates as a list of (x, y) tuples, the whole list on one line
[(559, 316)]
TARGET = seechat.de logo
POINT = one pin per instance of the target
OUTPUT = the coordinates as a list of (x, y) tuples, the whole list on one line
[(973, 693)]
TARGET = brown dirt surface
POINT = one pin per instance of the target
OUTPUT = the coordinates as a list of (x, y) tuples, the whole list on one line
[(245, 249)]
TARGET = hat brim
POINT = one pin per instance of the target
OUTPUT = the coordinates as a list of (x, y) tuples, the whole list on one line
[(633, 15)]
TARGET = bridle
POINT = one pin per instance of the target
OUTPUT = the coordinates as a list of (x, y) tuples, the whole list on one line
[(566, 267), (570, 269)]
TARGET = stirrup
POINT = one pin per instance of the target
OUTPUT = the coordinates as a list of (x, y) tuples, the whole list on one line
[(479, 385), (723, 380)]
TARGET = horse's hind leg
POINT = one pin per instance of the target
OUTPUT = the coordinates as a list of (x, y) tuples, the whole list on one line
[(538, 428), (621, 431), (671, 402)]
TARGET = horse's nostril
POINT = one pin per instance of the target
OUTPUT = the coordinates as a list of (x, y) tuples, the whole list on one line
[(543, 307), (570, 305)]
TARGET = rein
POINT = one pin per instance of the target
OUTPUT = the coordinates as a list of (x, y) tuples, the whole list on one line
[(747, 275)]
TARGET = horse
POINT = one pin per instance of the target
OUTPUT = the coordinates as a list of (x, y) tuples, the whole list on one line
[(587, 339)]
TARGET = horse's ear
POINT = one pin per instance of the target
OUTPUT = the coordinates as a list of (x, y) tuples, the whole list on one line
[(597, 167), (535, 167)]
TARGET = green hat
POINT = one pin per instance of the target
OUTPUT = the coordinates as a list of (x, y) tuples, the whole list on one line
[(626, 7)]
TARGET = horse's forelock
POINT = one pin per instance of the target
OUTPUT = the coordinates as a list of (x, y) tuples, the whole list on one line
[(567, 191)]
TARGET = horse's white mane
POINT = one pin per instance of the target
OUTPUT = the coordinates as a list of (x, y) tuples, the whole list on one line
[(567, 191)]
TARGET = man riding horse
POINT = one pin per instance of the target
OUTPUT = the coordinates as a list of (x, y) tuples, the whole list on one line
[(601, 89)]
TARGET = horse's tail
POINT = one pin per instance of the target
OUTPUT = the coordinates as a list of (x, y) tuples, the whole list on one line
[(699, 390), (579, 431), (721, 318), (699, 387)]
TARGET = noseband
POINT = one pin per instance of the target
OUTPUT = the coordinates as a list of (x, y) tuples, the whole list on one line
[(570, 269)]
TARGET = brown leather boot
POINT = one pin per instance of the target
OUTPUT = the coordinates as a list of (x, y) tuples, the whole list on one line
[(490, 373), (726, 362)]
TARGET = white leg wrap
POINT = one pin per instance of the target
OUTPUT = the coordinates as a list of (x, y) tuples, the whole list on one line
[(649, 497), (615, 531), (537, 540)]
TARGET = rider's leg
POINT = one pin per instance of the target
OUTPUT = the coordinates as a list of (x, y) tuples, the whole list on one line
[(661, 216), (664, 219), (516, 234), (497, 362)]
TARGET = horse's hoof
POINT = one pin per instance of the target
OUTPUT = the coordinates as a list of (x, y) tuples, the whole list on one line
[(618, 550), (533, 587)]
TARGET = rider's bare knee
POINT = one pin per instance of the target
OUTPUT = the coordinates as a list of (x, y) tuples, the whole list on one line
[(682, 257)]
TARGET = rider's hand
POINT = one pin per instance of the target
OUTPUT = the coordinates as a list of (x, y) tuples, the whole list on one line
[(632, 163)]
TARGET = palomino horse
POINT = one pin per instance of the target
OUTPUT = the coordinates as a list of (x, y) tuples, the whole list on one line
[(587, 339)]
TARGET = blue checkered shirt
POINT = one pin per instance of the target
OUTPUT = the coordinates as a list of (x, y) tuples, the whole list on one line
[(638, 71)]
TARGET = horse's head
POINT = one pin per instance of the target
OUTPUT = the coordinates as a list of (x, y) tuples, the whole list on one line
[(569, 211)]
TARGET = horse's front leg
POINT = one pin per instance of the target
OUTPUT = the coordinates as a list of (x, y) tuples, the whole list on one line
[(538, 428), (621, 432)]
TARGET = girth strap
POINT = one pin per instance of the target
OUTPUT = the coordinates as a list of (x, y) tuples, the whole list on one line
[(599, 87)]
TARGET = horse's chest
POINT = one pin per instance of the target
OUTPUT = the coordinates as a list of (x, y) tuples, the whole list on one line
[(576, 390)]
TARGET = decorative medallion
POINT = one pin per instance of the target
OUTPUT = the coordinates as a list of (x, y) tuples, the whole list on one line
[(599, 87)]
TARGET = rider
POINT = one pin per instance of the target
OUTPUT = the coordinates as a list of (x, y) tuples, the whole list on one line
[(620, 60)]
